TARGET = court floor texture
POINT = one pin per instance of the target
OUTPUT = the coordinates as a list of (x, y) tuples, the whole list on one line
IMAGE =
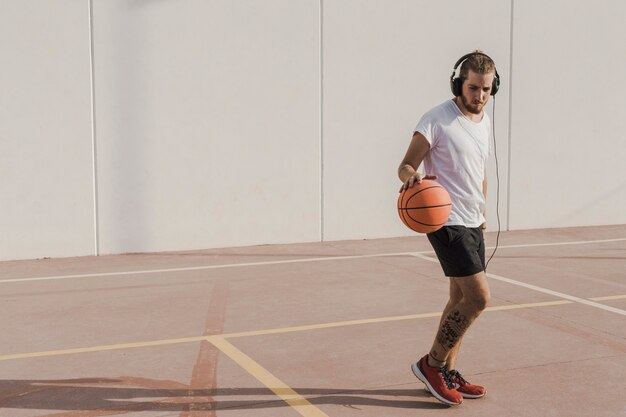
[(314, 330)]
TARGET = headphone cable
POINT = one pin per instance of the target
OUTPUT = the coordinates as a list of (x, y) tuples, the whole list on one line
[(495, 152)]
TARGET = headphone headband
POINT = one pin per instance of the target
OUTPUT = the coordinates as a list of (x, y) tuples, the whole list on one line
[(457, 82)]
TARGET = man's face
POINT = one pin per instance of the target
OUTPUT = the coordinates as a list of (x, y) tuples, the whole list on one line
[(476, 90)]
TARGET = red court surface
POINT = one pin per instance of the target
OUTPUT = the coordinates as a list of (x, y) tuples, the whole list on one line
[(316, 329)]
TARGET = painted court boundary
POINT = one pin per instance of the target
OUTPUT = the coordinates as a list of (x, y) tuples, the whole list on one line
[(540, 289), (286, 261), (278, 387), (282, 330)]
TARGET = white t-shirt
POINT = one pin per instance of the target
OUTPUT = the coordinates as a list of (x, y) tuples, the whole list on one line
[(458, 151)]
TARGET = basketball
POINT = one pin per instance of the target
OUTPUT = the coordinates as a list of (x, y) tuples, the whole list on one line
[(425, 207)]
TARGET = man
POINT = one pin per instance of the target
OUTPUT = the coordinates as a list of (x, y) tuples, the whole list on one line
[(452, 140)]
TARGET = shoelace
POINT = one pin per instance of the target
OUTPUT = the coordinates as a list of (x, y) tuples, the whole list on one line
[(456, 374), (447, 377)]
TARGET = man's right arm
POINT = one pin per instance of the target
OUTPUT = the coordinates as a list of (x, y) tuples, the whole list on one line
[(407, 171)]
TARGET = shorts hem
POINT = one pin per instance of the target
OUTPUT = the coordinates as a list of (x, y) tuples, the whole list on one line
[(460, 250), (464, 273)]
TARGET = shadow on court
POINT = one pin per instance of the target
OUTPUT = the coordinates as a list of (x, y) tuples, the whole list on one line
[(113, 395)]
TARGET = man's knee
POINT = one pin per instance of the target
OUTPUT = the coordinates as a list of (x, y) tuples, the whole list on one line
[(480, 301), (475, 291)]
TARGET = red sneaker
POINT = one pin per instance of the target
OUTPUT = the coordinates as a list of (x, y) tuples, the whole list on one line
[(438, 382), (466, 389)]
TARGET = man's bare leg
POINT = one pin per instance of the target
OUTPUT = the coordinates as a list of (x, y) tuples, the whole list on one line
[(455, 298), (458, 316)]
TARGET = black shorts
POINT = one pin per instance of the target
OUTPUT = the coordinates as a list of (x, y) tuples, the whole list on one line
[(460, 250)]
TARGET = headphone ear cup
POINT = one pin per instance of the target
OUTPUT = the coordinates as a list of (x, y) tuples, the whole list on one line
[(457, 87), (495, 85), (452, 83)]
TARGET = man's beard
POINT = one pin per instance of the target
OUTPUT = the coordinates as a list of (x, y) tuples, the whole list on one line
[(472, 108)]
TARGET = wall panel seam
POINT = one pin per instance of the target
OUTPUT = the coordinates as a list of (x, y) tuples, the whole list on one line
[(508, 176), (321, 117), (94, 155)]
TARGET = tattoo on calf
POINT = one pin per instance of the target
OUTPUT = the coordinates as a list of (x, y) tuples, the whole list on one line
[(452, 328)]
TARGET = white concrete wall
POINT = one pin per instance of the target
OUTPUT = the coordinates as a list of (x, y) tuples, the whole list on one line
[(568, 129), (207, 123), (239, 122), (46, 192)]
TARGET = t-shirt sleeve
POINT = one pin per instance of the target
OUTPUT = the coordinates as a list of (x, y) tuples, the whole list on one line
[(427, 127)]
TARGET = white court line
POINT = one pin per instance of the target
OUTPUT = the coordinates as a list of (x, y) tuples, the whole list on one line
[(287, 261), (204, 267), (609, 298), (538, 245), (539, 289)]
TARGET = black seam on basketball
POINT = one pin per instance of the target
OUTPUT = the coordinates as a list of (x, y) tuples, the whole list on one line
[(400, 207), (426, 224), (404, 211), (425, 207), (422, 223), (402, 215), (422, 190), (406, 203)]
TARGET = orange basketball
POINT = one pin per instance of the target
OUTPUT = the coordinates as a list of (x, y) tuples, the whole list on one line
[(425, 207)]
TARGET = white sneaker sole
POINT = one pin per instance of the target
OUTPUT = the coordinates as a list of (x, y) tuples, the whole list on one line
[(422, 377), (464, 395)]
